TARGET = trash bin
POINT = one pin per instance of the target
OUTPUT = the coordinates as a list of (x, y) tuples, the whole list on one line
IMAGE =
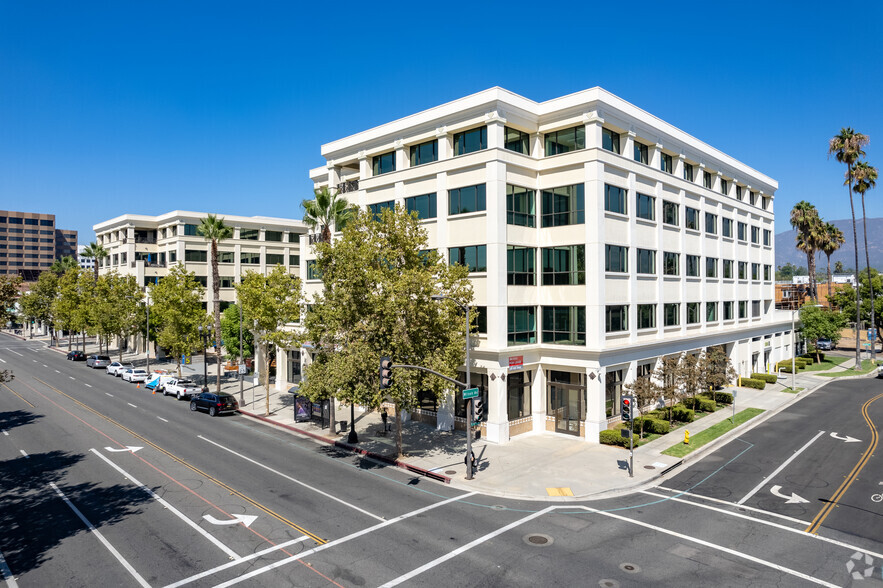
[(343, 425)]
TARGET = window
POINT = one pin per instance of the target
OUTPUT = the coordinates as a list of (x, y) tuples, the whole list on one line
[(565, 140), (564, 325), (275, 259), (743, 270), (30, 221), (670, 263), (116, 259), (201, 280), (767, 237), (742, 229), (424, 153), (564, 266), (738, 192), (725, 186), (564, 206), (249, 234), (249, 257), (755, 235), (708, 179), (520, 206), (466, 199), (692, 266), (521, 265), (726, 227), (190, 230), (616, 258), (517, 141), (423, 205), (616, 318), (522, 325), (646, 261), (273, 236), (225, 257), (692, 313), (710, 267), (470, 141), (666, 163), (711, 312), (473, 256), (226, 282), (671, 314), (384, 163), (728, 310), (743, 309), (765, 202), (378, 207), (688, 172), (313, 272), (646, 316), (173, 256), (710, 223), (480, 313), (755, 308), (670, 213), (614, 199), (728, 269), (613, 392), (642, 153), (518, 394), (294, 260), (767, 272), (195, 255), (691, 221), (609, 140), (645, 206), (755, 271), (753, 198)]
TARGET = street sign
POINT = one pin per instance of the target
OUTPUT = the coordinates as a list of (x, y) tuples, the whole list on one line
[(470, 393), (872, 334), (243, 369), (625, 433), (516, 362)]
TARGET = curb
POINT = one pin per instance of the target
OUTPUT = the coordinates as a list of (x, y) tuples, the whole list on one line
[(353, 449)]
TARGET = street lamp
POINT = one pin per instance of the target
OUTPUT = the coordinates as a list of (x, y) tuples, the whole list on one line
[(241, 359), (469, 416), (147, 330)]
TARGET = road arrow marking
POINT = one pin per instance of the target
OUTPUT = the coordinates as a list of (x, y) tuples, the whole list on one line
[(246, 520), (848, 439), (793, 499), (131, 448)]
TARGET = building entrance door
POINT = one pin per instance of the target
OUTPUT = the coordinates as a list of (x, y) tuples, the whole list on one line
[(566, 403)]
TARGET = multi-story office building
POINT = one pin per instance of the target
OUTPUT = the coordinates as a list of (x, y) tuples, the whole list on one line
[(600, 240), (30, 242), (86, 263)]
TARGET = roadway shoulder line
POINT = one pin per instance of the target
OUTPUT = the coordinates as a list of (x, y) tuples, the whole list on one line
[(22, 398), (727, 502), (101, 538), (7, 573), (779, 469), (287, 477), (230, 553)]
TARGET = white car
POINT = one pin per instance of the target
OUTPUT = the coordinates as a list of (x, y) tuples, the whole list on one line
[(134, 375), (116, 368), (181, 388)]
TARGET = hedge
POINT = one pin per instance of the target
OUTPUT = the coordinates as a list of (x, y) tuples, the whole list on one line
[(613, 437), (700, 403), (785, 368), (812, 356), (682, 414), (752, 383), (651, 425), (721, 397), (768, 378)]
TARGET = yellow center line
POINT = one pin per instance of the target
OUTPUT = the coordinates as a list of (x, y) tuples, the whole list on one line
[(826, 510), (19, 395), (193, 468)]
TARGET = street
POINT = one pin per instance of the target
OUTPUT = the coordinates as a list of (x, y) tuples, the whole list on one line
[(106, 483)]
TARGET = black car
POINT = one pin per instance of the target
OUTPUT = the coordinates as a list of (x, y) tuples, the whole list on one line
[(76, 356), (215, 404)]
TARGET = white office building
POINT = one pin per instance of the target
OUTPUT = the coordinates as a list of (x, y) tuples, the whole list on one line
[(600, 238), (86, 263)]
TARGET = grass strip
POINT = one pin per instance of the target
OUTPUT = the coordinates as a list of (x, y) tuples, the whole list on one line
[(712, 433), (867, 367), (828, 364), (793, 390)]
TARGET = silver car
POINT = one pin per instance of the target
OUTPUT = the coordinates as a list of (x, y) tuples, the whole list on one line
[(97, 361)]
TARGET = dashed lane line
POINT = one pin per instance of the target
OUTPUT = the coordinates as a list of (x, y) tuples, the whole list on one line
[(57, 372), (132, 405), (162, 419), (23, 452), (72, 378), (15, 352), (7, 573), (87, 385), (109, 394), (45, 366), (5, 432), (779, 469), (3, 360)]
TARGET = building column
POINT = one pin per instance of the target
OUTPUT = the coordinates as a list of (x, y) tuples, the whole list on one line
[(497, 425), (281, 370), (538, 400), (596, 416), (628, 150)]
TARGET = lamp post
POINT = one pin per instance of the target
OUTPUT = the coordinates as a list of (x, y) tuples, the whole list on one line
[(469, 414), (241, 359), (147, 330)]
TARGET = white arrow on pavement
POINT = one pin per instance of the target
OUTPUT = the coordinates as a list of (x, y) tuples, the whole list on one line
[(848, 439), (131, 448), (793, 499), (246, 520)]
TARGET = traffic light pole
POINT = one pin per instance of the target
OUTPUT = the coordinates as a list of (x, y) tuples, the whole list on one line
[(631, 451)]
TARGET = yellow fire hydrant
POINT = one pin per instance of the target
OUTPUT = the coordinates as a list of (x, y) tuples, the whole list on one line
[(686, 437)]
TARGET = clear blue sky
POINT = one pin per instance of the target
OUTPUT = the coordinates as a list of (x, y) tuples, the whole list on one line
[(144, 107)]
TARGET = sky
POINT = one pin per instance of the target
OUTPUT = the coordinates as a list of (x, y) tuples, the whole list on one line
[(108, 108)]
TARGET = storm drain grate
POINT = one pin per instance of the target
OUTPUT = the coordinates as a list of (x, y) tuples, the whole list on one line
[(538, 540), (450, 472), (630, 568)]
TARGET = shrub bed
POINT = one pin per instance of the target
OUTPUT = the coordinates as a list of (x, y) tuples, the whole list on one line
[(651, 425), (613, 437), (700, 403), (752, 383), (721, 397), (768, 378), (682, 414)]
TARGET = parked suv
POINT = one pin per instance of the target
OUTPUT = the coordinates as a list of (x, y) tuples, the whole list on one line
[(215, 404), (76, 355), (97, 361), (824, 345)]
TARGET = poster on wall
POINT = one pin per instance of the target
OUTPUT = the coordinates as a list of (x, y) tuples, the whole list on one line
[(302, 407)]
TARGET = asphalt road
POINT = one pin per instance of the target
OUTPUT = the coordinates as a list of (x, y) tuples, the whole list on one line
[(227, 501)]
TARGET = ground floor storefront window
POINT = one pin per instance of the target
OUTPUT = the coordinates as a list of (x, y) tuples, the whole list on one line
[(518, 394), (613, 392), (566, 400)]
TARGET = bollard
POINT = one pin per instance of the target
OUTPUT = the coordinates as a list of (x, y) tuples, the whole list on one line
[(686, 437)]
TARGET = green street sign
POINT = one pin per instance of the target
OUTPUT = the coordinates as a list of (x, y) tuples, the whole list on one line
[(470, 393)]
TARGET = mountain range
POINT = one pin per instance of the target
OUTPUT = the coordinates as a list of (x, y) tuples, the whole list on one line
[(787, 252)]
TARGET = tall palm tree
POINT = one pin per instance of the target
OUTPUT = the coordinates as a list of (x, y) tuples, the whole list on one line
[(214, 230), (805, 219), (326, 209), (831, 242), (94, 251), (847, 146), (61, 265), (864, 178)]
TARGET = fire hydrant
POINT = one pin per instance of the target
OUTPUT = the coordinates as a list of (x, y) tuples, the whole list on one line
[(686, 437)]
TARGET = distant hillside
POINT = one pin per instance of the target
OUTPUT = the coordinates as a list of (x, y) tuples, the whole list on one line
[(786, 251)]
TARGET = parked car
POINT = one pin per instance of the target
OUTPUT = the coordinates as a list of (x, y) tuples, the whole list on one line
[(880, 371), (134, 375), (97, 361), (215, 404), (76, 355), (181, 388), (116, 368), (157, 380), (824, 345)]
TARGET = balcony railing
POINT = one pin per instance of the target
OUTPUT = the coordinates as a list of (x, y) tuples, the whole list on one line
[(140, 239), (348, 186), (315, 238)]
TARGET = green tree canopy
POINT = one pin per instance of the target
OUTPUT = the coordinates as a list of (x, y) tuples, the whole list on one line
[(820, 323), (230, 333), (177, 310), (9, 293), (71, 307), (214, 231)]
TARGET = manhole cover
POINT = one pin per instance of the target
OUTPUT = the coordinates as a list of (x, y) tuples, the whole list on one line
[(450, 472), (498, 507), (630, 568), (649, 467), (608, 584), (538, 540)]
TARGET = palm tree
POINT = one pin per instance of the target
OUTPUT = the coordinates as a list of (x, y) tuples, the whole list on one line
[(213, 229), (831, 242), (94, 251), (805, 219), (864, 178), (847, 147), (326, 209), (61, 265)]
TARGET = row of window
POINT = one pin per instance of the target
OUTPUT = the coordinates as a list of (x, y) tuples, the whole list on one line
[(198, 255), (17, 220), (616, 260), (616, 317), (150, 236)]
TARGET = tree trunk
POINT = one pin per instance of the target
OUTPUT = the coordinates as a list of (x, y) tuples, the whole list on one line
[(332, 415), (858, 295), (267, 376), (120, 347), (216, 291), (830, 280), (870, 282), (399, 431)]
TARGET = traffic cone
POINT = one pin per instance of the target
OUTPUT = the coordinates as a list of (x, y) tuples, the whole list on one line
[(139, 385), (154, 390)]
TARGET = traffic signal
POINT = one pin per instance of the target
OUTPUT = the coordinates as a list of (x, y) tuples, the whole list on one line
[(477, 410), (385, 373), (626, 403)]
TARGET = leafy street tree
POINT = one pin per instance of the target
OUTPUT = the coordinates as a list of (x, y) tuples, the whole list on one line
[(645, 391), (719, 371), (177, 306), (214, 230), (820, 323), (788, 271), (379, 279), (9, 294), (96, 253), (692, 374), (325, 210), (230, 333), (832, 239), (847, 147), (62, 265), (864, 178), (844, 298), (37, 302), (667, 374), (273, 301), (805, 220), (115, 307), (71, 307)]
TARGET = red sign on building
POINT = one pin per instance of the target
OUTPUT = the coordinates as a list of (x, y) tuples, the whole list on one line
[(516, 362)]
